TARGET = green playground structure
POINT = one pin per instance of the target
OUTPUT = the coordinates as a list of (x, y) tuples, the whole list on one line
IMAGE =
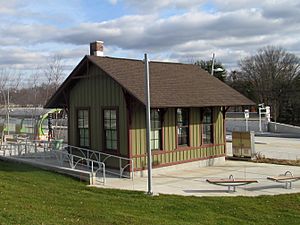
[(33, 123)]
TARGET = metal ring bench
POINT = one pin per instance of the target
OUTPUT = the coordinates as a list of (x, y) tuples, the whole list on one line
[(231, 182), (286, 178)]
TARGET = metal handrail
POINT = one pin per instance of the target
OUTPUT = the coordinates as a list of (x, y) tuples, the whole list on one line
[(102, 157), (30, 149), (74, 163), (26, 149)]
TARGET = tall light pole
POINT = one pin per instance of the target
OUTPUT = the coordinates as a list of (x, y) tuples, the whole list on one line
[(213, 64), (148, 125)]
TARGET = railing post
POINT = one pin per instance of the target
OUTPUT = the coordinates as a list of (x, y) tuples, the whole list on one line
[(35, 147), (18, 148), (61, 158), (132, 169), (44, 155), (104, 176), (72, 161), (88, 156), (25, 147), (120, 166)]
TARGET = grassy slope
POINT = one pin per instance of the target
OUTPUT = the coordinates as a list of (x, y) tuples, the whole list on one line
[(32, 196)]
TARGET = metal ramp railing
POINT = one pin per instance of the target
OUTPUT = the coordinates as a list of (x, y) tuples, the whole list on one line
[(98, 163), (115, 165), (44, 150)]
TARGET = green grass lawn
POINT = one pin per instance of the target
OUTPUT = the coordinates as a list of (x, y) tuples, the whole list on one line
[(32, 196)]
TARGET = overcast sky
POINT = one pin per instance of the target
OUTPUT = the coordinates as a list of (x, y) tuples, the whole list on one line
[(171, 30)]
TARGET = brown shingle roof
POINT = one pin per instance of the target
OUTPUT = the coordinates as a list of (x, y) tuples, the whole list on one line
[(171, 84)]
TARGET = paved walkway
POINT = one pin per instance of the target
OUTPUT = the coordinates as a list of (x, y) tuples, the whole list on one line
[(192, 182)]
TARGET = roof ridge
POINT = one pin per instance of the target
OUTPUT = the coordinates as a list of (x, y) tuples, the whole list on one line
[(140, 60), (109, 57)]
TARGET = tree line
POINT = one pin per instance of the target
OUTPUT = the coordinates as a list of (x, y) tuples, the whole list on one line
[(32, 89), (270, 76)]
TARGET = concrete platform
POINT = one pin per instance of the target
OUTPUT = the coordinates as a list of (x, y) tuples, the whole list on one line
[(192, 182)]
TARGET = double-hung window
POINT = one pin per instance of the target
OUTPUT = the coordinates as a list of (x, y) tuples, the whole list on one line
[(156, 130), (182, 117), (83, 128), (208, 128), (110, 121)]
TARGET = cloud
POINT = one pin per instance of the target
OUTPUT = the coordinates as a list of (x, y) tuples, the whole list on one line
[(156, 5), (163, 34), (232, 29), (113, 2)]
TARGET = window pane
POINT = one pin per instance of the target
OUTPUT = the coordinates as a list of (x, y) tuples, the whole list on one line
[(152, 124), (183, 126), (185, 117), (155, 129), (114, 135), (113, 124), (179, 115), (110, 127), (106, 124), (108, 144), (86, 123), (107, 114), (80, 123), (152, 134), (83, 127), (108, 134), (152, 144), (80, 114), (157, 124), (113, 114), (114, 145)]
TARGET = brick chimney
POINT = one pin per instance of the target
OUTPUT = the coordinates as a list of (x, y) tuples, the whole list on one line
[(96, 48)]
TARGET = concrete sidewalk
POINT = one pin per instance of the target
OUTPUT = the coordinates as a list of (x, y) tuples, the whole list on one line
[(192, 182)]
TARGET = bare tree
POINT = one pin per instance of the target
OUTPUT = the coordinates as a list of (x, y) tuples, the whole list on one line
[(54, 74), (10, 80), (271, 73), (34, 84)]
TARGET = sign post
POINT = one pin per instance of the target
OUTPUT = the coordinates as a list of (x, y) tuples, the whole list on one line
[(246, 118)]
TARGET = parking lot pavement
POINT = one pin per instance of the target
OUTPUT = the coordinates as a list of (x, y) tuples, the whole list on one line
[(275, 147), (192, 181)]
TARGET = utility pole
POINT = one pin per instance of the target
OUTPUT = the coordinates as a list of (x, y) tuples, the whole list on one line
[(7, 111)]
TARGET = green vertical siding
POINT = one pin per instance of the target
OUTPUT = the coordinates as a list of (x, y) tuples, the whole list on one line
[(169, 130), (138, 130), (95, 92), (170, 153), (195, 127)]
